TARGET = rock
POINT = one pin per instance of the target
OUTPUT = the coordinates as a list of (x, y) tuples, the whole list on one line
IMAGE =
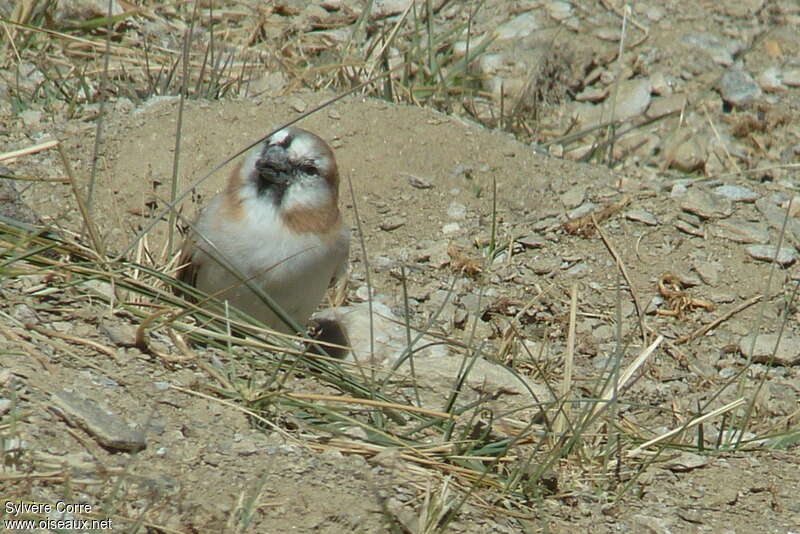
[(25, 314), (709, 272), (86, 10), (388, 333), (737, 193), (519, 27), (654, 13), (660, 85), (387, 8), (331, 5), (392, 223), (770, 80), (793, 207), (786, 255), (740, 8), (574, 196), (484, 375), (633, 98), (107, 428), (559, 10), (451, 228), (666, 104), (690, 229), (11, 203), (688, 156), (491, 63), (608, 33), (297, 104), (791, 78), (592, 94), (419, 183), (706, 205), (740, 231), (775, 217), (120, 333), (786, 354), (531, 241), (738, 88), (586, 114), (642, 216), (31, 118), (457, 211), (544, 265), (678, 190), (720, 50), (635, 146), (583, 209), (686, 461)]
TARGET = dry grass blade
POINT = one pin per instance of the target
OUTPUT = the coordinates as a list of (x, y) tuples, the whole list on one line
[(28, 151), (690, 424), (566, 382), (624, 381), (88, 222)]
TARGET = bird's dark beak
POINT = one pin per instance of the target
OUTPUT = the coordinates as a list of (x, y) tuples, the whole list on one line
[(273, 167)]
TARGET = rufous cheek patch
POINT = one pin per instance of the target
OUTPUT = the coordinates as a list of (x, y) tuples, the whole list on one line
[(318, 220)]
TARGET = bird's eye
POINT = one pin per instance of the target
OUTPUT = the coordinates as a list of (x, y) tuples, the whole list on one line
[(309, 168)]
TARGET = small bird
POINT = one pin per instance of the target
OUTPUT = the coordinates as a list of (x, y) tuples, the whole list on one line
[(278, 224)]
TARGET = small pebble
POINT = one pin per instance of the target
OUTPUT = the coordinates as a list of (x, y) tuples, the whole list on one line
[(737, 193), (642, 216), (392, 223)]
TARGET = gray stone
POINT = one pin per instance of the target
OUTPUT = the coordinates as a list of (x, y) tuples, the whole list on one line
[(632, 99), (451, 228), (786, 255), (661, 86), (592, 94), (385, 335), (688, 156), (387, 8), (457, 211), (107, 428), (770, 80), (419, 183), (392, 223), (666, 104), (690, 229), (738, 88), (737, 193), (775, 217), (706, 205), (531, 241), (544, 265), (642, 216), (709, 272), (791, 78), (519, 27), (720, 50), (787, 352), (559, 10), (740, 231), (574, 196), (583, 209)]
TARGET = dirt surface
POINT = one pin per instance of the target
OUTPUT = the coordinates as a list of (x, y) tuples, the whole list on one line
[(424, 186)]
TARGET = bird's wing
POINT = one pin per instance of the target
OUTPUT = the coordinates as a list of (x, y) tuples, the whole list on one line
[(342, 245)]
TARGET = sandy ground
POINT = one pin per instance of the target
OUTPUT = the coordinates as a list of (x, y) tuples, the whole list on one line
[(422, 181)]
